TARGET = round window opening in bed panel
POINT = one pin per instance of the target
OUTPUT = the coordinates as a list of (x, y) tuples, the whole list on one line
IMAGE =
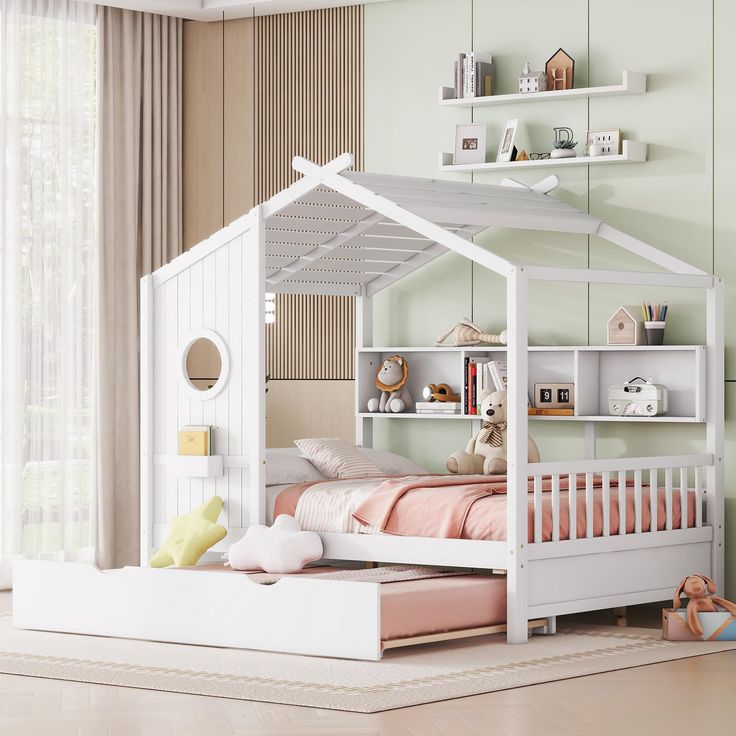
[(204, 364)]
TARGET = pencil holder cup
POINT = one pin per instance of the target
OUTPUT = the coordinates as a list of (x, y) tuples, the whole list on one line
[(654, 332)]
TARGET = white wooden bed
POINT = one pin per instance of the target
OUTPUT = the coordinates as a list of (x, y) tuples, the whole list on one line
[(340, 232)]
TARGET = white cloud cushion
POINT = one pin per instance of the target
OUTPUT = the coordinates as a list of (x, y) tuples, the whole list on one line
[(279, 549), (335, 458)]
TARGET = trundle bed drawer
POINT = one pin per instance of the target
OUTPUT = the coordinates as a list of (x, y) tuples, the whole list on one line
[(301, 614)]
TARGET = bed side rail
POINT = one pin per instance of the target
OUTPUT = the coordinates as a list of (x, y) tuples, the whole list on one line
[(576, 490)]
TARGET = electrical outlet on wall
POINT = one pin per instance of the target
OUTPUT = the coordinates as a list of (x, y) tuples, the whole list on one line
[(607, 142)]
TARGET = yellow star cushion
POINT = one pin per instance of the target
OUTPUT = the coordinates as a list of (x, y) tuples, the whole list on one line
[(191, 535)]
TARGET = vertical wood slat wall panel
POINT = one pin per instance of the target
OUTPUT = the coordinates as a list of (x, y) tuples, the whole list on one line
[(308, 101), (313, 338)]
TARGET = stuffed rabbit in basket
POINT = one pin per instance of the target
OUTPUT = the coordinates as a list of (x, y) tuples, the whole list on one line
[(699, 589)]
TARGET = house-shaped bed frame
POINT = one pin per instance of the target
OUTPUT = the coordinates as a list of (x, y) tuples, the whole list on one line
[(336, 231)]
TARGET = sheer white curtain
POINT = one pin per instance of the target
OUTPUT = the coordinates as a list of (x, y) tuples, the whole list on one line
[(47, 279)]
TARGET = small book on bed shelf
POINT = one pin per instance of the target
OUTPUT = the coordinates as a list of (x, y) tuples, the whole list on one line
[(195, 440)]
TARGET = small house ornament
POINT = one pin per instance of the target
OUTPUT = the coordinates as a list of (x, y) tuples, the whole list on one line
[(530, 81), (560, 69), (626, 327)]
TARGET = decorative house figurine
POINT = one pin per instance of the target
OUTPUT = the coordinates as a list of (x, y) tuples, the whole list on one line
[(530, 81), (626, 327), (560, 69)]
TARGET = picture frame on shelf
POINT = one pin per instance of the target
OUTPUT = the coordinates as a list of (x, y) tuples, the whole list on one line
[(603, 142), (470, 144), (506, 148)]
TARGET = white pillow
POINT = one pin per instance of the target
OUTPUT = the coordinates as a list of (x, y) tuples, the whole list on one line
[(336, 458), (285, 468), (393, 464)]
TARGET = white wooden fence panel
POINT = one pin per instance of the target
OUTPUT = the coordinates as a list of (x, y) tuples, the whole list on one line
[(653, 500), (572, 500), (698, 496), (683, 498), (538, 508), (555, 508)]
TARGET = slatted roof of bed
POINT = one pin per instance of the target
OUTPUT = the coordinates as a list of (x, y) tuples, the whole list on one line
[(344, 232), (337, 231)]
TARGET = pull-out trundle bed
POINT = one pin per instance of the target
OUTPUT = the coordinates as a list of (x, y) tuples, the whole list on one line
[(345, 233), (321, 611)]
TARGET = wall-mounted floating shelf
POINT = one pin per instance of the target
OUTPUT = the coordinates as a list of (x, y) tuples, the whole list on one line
[(633, 83), (631, 152), (195, 466)]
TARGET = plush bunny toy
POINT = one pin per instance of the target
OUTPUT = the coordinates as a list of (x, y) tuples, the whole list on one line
[(699, 589)]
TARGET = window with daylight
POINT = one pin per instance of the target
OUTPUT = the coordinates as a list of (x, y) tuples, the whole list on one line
[(47, 278)]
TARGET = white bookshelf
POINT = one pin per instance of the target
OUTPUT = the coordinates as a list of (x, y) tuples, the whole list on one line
[(632, 152), (632, 83), (591, 368)]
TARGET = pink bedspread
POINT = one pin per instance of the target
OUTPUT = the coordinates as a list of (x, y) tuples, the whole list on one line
[(474, 507)]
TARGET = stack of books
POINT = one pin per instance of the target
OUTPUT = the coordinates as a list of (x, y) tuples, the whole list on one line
[(196, 440), (482, 374), (474, 75), (437, 407)]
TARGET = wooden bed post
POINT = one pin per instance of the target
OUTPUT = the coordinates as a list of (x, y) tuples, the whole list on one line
[(255, 370), (363, 339), (517, 286), (715, 398)]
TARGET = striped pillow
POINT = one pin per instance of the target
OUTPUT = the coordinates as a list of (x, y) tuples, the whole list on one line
[(335, 458)]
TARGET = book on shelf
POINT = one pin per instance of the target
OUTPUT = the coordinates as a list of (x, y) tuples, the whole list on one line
[(474, 74), (483, 374), (437, 407), (196, 440), (534, 412), (439, 412)]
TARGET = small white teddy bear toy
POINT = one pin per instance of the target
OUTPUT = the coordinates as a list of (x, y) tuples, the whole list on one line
[(391, 380), (280, 549)]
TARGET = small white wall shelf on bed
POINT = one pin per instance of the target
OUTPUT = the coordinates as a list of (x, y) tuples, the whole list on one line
[(592, 369)]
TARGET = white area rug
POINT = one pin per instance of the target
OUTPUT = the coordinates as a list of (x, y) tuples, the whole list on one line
[(405, 677)]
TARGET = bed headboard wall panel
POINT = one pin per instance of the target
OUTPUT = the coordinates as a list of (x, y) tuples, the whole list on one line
[(209, 296)]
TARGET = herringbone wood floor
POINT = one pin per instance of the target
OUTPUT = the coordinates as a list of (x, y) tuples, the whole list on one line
[(667, 698)]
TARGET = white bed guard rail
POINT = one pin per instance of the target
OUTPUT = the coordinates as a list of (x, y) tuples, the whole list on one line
[(679, 474)]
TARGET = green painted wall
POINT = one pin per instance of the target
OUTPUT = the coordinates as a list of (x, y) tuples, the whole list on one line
[(680, 200)]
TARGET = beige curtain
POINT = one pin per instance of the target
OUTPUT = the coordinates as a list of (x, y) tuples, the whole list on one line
[(139, 211)]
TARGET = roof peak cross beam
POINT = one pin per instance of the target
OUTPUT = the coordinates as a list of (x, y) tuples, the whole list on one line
[(391, 210), (299, 188)]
